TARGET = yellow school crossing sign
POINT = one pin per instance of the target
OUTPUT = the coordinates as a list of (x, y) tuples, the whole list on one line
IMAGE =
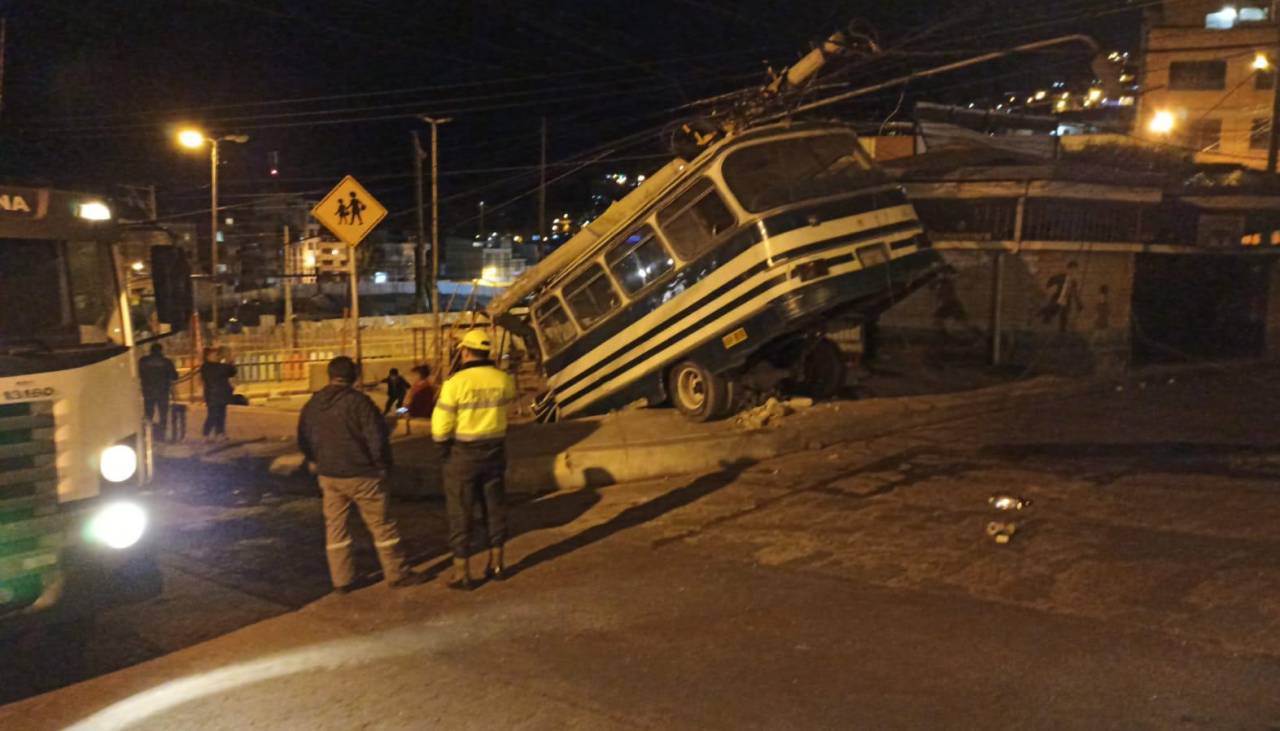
[(349, 211)]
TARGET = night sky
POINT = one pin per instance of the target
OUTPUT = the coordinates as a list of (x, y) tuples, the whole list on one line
[(94, 88)]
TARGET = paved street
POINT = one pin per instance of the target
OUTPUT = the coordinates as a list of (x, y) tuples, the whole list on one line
[(850, 586)]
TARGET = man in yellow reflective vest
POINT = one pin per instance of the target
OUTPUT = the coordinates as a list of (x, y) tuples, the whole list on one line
[(469, 427)]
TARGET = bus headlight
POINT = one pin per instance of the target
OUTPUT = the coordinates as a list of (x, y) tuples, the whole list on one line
[(118, 525), (118, 463)]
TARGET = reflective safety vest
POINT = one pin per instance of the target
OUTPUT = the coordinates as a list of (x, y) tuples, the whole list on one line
[(472, 405)]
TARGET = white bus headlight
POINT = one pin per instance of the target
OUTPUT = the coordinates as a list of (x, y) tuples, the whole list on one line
[(118, 463), (118, 525)]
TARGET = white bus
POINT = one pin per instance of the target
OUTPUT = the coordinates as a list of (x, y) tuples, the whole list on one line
[(74, 451), (720, 275)]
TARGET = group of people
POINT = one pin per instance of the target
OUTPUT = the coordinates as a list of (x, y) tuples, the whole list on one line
[(158, 375), (345, 440)]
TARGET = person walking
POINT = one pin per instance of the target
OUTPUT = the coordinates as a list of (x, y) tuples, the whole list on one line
[(158, 375), (347, 446), (216, 374), (397, 389), (469, 428)]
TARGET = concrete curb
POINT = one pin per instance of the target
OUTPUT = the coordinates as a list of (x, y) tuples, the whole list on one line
[(575, 462)]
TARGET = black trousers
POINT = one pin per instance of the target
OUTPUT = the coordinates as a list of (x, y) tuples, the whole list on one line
[(215, 422), (474, 473), (153, 406), (393, 401)]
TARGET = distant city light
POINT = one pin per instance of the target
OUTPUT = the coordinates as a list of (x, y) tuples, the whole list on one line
[(1040, 95), (137, 266), (1162, 123), (379, 277)]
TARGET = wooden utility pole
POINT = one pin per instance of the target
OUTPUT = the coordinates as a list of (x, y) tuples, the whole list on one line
[(420, 247), (542, 193), (1274, 139), (435, 234), (3, 24)]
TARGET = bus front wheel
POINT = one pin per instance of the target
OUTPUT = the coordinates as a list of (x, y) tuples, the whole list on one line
[(698, 393)]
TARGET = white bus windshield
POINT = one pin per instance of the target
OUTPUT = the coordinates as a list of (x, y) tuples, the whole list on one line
[(58, 294), (797, 169)]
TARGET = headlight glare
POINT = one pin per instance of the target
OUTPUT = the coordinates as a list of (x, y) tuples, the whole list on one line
[(118, 525), (118, 463)]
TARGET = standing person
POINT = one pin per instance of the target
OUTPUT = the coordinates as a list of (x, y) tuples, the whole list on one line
[(347, 445), (216, 375), (469, 428), (158, 375), (422, 397), (397, 388)]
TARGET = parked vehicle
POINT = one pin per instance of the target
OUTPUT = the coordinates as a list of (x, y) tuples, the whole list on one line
[(74, 449)]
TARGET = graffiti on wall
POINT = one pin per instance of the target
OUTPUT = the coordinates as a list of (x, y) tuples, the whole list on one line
[(1062, 297)]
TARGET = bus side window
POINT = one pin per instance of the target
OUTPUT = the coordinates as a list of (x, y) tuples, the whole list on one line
[(638, 259), (553, 323), (695, 220), (590, 296)]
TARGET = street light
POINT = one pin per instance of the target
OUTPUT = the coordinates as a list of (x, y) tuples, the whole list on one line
[(194, 139), (1162, 123), (1261, 62)]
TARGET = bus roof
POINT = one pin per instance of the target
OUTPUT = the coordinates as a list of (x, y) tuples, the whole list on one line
[(587, 241)]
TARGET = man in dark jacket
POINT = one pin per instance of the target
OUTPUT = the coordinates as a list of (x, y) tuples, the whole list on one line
[(347, 445), (157, 374), (216, 375)]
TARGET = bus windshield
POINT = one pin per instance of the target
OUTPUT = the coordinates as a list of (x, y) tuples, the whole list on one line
[(797, 169), (58, 294)]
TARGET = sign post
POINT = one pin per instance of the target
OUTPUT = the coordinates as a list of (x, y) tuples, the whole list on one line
[(350, 213)]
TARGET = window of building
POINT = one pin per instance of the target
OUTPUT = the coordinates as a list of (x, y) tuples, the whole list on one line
[(1197, 75), (1259, 134), (1206, 135), (1264, 79), (638, 260), (695, 220), (591, 296), (1230, 16), (554, 325)]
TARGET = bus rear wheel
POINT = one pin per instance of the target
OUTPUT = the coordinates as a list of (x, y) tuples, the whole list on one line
[(698, 393), (823, 370)]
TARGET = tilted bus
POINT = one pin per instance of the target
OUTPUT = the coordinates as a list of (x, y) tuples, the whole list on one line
[(721, 275)]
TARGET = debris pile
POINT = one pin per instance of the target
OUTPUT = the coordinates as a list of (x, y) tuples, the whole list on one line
[(770, 412)]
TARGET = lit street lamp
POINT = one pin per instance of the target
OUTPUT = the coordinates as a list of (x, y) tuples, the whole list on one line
[(1162, 123), (194, 139)]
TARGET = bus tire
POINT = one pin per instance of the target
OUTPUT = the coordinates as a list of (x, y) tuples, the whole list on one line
[(823, 370), (698, 393)]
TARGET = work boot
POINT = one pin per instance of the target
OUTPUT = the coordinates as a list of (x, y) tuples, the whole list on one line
[(461, 575), (497, 568)]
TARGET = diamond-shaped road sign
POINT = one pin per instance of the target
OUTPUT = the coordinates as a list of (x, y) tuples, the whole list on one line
[(349, 211)]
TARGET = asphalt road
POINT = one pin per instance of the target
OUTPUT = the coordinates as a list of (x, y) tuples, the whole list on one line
[(852, 586)]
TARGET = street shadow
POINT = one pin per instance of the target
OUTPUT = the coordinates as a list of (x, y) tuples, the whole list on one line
[(525, 515), (629, 518)]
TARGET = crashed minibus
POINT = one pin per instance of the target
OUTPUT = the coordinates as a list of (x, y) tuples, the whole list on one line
[(717, 279)]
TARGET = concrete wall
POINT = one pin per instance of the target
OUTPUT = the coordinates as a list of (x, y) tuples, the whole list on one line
[(955, 320)]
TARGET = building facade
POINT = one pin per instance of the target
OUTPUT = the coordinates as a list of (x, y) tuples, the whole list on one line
[(1208, 78)]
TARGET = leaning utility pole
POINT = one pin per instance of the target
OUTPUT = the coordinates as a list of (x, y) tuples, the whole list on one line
[(435, 236), (542, 193), (420, 247)]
